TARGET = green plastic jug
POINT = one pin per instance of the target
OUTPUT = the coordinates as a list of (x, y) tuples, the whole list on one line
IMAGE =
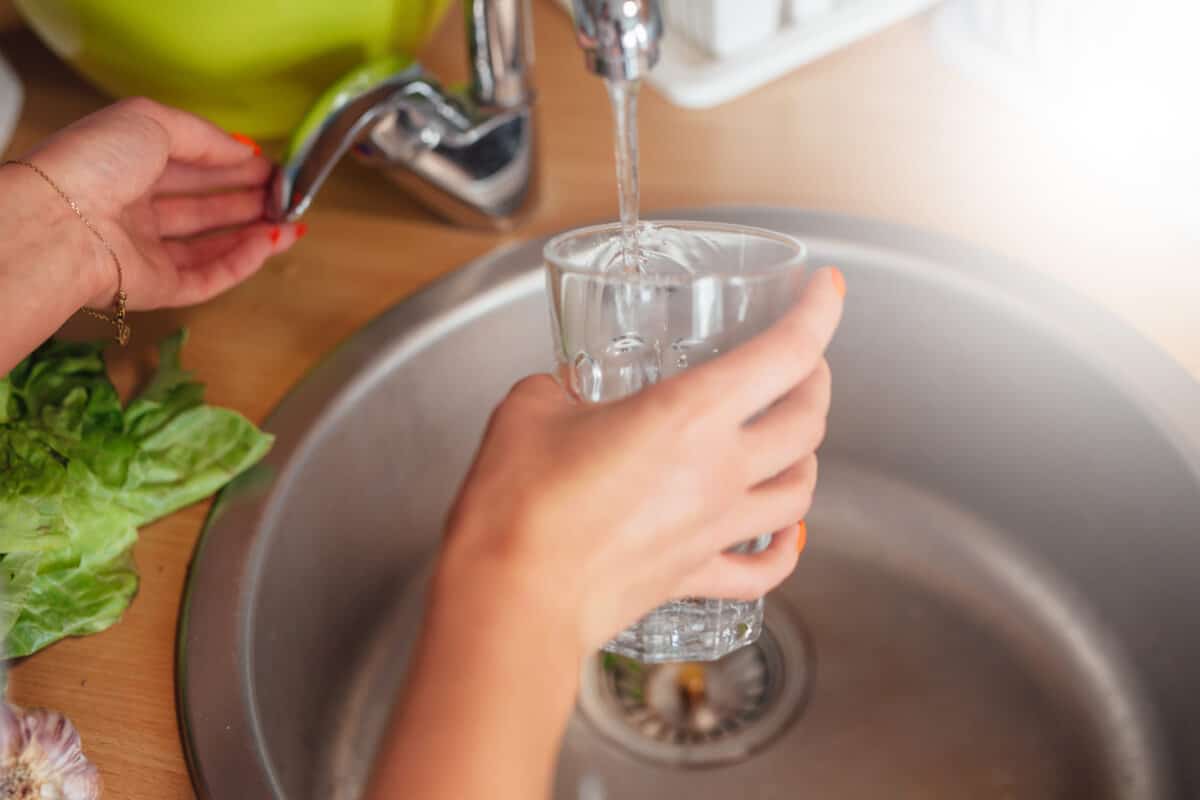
[(251, 66)]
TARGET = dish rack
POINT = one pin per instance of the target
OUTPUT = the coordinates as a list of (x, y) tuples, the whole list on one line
[(717, 50)]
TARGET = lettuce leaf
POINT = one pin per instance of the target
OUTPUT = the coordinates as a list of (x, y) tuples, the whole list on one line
[(79, 475)]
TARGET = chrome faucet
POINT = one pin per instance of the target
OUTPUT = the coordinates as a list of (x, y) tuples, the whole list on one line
[(468, 153)]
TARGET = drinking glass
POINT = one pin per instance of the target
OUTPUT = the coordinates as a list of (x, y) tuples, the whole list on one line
[(694, 291)]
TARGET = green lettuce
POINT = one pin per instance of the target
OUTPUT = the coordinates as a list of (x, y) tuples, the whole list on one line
[(79, 475)]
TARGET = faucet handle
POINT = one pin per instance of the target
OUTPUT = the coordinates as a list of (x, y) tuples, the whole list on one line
[(619, 37), (341, 117), (470, 163), (468, 153)]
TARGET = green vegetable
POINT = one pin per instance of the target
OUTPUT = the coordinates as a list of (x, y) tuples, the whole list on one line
[(79, 475)]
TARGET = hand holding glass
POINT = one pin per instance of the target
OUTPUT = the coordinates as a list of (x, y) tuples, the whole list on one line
[(698, 290)]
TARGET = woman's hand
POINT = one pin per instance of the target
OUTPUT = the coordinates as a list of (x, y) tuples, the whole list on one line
[(577, 519), (180, 201), (606, 511)]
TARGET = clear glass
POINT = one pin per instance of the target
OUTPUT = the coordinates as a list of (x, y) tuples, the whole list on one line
[(698, 290)]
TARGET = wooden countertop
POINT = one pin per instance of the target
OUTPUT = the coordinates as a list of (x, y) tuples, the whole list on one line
[(881, 129)]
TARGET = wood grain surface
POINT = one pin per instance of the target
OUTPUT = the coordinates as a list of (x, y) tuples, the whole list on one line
[(881, 129)]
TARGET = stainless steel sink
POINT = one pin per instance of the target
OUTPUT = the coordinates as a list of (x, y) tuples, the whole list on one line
[(999, 599)]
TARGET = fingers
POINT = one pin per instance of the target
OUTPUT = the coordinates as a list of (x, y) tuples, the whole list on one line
[(769, 506), (758, 373), (191, 179), (212, 264), (744, 576), (192, 139), (791, 429), (186, 215)]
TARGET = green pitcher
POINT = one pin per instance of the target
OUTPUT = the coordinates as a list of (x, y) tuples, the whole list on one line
[(252, 66)]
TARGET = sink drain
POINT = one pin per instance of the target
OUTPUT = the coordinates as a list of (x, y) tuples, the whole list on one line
[(692, 713)]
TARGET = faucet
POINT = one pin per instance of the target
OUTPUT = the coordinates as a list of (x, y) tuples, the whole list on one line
[(467, 153)]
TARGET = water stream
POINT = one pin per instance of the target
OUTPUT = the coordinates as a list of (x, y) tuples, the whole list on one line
[(624, 95)]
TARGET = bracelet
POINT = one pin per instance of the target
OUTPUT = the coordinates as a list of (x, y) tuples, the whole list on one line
[(117, 316)]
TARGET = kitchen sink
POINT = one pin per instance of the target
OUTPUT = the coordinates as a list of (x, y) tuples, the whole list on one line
[(1000, 597)]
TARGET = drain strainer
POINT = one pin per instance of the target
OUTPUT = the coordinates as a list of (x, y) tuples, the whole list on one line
[(703, 713)]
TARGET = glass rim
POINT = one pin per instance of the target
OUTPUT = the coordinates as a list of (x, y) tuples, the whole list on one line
[(795, 260)]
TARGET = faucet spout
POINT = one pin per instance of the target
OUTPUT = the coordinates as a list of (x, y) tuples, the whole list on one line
[(619, 38)]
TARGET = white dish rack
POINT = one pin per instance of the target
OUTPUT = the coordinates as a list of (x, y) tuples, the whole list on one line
[(717, 50)]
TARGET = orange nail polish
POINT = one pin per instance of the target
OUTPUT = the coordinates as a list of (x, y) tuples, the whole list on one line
[(246, 140), (275, 235), (801, 535), (839, 281), (301, 229)]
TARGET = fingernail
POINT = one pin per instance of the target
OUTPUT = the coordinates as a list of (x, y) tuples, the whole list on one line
[(246, 140), (301, 229), (275, 235), (839, 281), (801, 535)]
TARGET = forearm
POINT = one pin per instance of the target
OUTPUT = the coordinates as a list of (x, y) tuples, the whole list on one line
[(488, 695), (47, 265)]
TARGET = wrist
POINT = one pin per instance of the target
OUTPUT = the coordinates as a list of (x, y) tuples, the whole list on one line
[(513, 601), (41, 233), (489, 657)]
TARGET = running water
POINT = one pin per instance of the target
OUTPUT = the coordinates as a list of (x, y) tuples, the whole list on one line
[(623, 95)]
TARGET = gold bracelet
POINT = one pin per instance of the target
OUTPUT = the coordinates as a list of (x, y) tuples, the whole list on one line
[(117, 317)]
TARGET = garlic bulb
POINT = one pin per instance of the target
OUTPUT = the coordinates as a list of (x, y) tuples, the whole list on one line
[(41, 757)]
